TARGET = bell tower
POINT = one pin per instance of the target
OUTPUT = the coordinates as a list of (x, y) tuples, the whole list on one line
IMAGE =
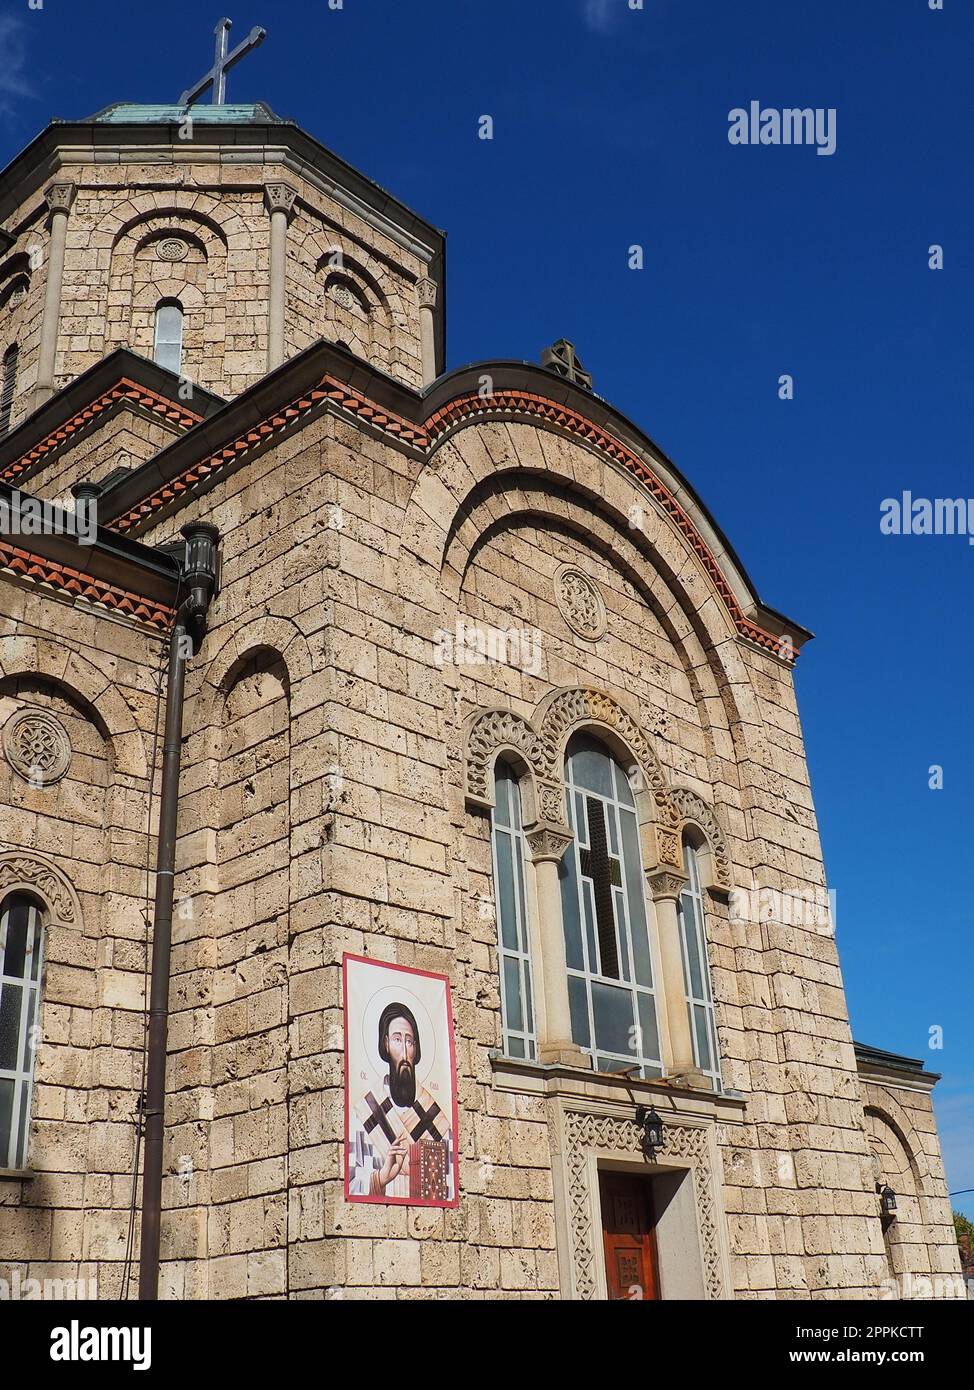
[(216, 239)]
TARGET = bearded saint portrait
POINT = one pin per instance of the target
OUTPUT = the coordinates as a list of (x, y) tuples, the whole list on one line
[(400, 1142)]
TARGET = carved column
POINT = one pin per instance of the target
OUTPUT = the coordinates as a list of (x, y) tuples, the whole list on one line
[(671, 994), (547, 842), (426, 293), (279, 199), (59, 197)]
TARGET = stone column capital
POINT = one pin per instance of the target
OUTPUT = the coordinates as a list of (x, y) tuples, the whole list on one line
[(280, 197), (426, 292), (666, 885), (547, 841), (60, 196)]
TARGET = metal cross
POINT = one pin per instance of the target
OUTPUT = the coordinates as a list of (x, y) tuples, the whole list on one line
[(222, 63), (604, 871)]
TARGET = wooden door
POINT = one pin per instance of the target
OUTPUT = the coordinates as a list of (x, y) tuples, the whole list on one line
[(629, 1236)]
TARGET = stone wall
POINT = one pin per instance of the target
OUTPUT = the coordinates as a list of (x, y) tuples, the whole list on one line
[(323, 810)]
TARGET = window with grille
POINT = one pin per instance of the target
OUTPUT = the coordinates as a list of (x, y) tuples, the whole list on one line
[(607, 947), (696, 970), (510, 897), (8, 384), (21, 946), (169, 335)]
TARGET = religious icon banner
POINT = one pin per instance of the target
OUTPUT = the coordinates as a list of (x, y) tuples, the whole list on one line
[(400, 1085)]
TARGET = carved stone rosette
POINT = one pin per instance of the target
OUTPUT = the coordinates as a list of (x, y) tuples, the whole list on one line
[(580, 603), (37, 746)]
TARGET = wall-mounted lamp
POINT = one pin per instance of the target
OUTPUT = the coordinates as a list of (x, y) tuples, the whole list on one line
[(652, 1128), (887, 1200)]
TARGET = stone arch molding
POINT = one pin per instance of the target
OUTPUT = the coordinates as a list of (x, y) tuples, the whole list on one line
[(28, 872), (70, 671), (693, 810), (539, 745)]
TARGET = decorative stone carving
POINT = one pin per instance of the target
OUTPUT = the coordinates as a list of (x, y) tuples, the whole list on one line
[(426, 290), (693, 808), (551, 801), (342, 294), (580, 603), (582, 706), (37, 746), (666, 884), (491, 731), (21, 869), (172, 248), (548, 841), (279, 197), (60, 196), (618, 1133), (17, 295)]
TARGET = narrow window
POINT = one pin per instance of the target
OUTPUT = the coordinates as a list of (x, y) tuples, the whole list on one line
[(7, 385), (513, 947), (169, 335), (696, 970), (610, 977), (20, 974)]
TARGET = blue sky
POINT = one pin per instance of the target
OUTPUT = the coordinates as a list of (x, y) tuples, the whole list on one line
[(610, 129)]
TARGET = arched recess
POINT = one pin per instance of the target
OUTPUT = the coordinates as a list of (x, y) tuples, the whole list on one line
[(483, 477), (26, 871), (80, 678), (541, 745), (278, 635), (488, 735), (895, 1165), (696, 813), (567, 712)]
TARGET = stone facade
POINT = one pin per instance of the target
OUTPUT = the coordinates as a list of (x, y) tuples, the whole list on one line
[(338, 780)]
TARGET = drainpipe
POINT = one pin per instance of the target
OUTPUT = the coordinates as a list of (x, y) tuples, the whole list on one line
[(198, 579)]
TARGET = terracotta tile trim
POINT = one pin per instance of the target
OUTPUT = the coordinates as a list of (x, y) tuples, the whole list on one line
[(26, 565), (516, 402), (123, 390), (327, 389)]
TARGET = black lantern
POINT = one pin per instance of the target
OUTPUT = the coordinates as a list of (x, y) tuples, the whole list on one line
[(887, 1200), (652, 1128)]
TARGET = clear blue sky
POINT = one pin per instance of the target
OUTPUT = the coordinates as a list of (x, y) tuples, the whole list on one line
[(611, 129)]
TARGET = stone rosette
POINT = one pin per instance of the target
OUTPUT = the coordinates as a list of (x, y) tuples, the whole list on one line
[(36, 746), (580, 603)]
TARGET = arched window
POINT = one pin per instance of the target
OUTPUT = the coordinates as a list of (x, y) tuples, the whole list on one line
[(21, 945), (513, 949), (610, 975), (8, 382), (696, 969), (169, 335)]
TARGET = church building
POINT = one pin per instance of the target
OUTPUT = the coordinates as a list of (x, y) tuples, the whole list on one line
[(502, 963)]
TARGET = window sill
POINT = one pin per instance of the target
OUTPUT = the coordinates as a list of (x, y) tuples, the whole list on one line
[(525, 1077), (16, 1174)]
